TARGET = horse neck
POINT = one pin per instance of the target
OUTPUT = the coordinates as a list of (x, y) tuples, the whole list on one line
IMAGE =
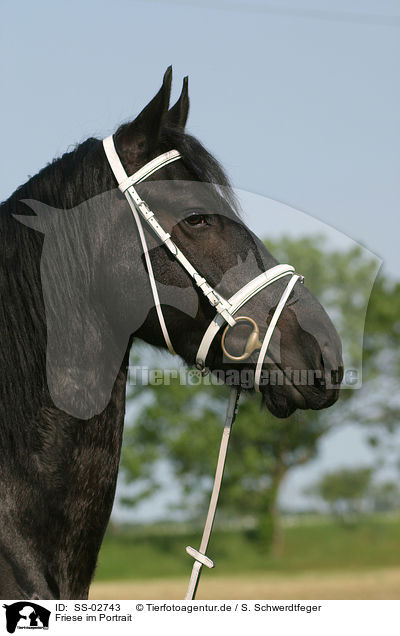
[(58, 483), (55, 504)]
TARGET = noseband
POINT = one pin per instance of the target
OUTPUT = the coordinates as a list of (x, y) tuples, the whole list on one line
[(225, 315)]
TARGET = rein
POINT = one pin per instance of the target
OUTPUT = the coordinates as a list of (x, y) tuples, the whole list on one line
[(226, 310), (200, 555)]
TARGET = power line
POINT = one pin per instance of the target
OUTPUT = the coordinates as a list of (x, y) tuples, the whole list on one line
[(373, 19)]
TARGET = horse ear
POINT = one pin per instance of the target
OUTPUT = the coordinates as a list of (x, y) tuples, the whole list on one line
[(178, 114), (140, 137)]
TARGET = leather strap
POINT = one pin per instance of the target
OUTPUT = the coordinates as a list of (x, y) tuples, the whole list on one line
[(271, 327), (122, 178), (150, 168), (138, 205), (200, 555), (236, 302), (114, 160)]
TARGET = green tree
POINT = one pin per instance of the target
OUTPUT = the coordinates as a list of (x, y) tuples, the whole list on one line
[(376, 407), (342, 281), (345, 491), (385, 496), (182, 424)]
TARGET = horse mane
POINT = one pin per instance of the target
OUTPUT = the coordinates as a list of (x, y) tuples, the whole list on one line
[(75, 177), (67, 180), (82, 173)]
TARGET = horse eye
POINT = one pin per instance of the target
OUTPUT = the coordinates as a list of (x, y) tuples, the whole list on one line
[(196, 219)]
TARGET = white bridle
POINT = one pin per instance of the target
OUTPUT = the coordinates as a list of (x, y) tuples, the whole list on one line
[(225, 312), (226, 309)]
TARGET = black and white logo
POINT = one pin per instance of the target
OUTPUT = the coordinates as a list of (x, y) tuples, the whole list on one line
[(26, 615)]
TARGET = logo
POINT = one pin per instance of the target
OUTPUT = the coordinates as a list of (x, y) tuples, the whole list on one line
[(26, 615)]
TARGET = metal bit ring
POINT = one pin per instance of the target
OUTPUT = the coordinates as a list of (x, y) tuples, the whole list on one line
[(253, 341)]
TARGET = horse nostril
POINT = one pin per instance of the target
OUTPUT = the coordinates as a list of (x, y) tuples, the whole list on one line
[(331, 361), (328, 377), (337, 375), (319, 380)]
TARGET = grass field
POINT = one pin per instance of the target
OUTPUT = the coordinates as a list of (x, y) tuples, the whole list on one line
[(322, 559), (318, 545)]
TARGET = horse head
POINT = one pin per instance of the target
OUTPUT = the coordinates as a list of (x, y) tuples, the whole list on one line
[(193, 200), (111, 299)]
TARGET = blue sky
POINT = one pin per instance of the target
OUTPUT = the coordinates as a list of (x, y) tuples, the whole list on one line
[(299, 101)]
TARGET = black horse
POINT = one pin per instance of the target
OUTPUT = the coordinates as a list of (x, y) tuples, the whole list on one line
[(69, 315)]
